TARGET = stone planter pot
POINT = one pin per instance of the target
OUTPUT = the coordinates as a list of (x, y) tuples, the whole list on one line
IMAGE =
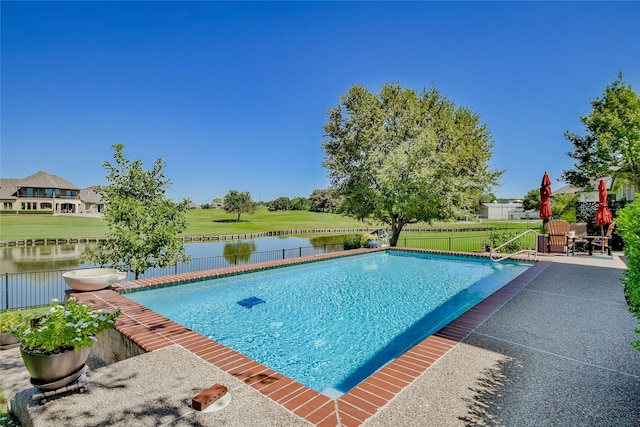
[(52, 371), (7, 341), (372, 243), (92, 279)]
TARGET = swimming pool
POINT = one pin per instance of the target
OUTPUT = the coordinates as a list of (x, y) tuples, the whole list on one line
[(330, 324)]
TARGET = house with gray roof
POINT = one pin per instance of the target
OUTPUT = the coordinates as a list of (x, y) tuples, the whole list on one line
[(45, 192), (619, 189)]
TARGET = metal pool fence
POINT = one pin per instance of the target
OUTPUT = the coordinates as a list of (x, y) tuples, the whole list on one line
[(38, 288), (34, 289)]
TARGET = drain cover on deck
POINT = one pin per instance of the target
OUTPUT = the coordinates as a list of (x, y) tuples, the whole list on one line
[(250, 302)]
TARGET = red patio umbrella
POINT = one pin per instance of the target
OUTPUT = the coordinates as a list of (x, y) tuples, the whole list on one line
[(603, 215), (545, 192)]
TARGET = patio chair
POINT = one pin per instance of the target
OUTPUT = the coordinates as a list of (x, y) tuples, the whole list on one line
[(558, 235), (580, 232), (606, 242)]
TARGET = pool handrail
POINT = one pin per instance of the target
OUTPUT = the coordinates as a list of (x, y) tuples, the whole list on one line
[(530, 252)]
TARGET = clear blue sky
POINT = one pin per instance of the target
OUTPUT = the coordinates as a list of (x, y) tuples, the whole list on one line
[(233, 95)]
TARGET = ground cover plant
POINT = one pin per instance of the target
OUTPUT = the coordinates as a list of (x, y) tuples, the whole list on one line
[(6, 420)]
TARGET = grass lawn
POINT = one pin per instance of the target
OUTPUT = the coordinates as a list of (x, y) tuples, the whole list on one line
[(214, 222), (201, 222)]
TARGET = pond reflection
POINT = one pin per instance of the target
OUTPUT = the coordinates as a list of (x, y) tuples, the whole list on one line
[(30, 258), (21, 259), (239, 252)]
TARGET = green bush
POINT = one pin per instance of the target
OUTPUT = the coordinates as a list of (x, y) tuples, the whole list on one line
[(9, 320), (628, 220), (497, 238), (352, 243)]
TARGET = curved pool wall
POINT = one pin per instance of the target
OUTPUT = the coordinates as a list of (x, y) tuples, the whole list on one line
[(142, 330), (330, 325)]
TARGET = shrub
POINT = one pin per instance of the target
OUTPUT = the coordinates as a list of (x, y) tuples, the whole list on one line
[(628, 222), (352, 243), (9, 320), (497, 238)]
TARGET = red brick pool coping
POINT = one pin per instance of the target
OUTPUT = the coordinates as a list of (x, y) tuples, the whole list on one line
[(152, 331)]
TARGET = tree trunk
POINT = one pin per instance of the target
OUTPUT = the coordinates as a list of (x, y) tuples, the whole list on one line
[(239, 213), (396, 228)]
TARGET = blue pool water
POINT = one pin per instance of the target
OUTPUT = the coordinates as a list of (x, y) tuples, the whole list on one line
[(331, 324)]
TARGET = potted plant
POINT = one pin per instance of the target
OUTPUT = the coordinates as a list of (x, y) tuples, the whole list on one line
[(370, 240), (55, 346), (8, 321)]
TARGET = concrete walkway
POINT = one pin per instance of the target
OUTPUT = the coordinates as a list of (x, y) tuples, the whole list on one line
[(556, 354)]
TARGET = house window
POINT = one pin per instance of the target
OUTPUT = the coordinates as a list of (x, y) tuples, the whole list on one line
[(7, 206), (45, 206), (48, 192), (31, 192)]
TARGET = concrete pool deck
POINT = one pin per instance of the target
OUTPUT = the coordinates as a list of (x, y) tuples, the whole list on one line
[(556, 352)]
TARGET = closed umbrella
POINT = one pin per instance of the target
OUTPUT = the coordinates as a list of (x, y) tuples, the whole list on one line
[(545, 192), (603, 215)]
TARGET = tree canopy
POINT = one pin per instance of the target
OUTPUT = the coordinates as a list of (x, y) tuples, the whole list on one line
[(531, 200), (611, 146), (239, 203), (323, 200), (401, 157), (143, 223)]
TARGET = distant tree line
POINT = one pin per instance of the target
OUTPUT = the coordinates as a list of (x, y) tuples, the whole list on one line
[(320, 200)]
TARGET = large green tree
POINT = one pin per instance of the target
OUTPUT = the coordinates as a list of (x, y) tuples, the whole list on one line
[(531, 200), (323, 200), (239, 203), (401, 157), (143, 223), (611, 146), (300, 203)]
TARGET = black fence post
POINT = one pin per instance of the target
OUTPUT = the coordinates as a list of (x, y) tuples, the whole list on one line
[(6, 291)]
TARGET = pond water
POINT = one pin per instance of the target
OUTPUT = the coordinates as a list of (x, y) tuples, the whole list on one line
[(20, 259)]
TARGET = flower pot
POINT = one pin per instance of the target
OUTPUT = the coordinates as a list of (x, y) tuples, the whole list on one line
[(7, 341), (92, 279), (51, 371), (372, 243)]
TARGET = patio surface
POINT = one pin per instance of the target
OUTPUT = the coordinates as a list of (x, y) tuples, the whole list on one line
[(556, 353)]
